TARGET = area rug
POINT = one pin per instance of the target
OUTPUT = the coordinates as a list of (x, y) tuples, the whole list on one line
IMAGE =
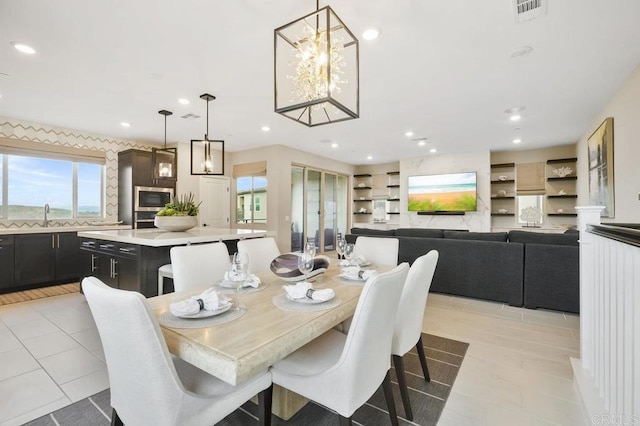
[(38, 293), (444, 357)]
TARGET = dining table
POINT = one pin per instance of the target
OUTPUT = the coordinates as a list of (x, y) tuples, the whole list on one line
[(263, 334)]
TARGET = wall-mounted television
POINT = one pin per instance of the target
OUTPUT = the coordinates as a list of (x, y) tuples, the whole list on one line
[(450, 192)]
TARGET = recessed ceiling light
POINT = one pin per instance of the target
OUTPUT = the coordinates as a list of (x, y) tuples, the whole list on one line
[(521, 51), (433, 150), (515, 117), (422, 143), (369, 157), (516, 141), (371, 34), (125, 124), (408, 134), (183, 101), (265, 128), (334, 145), (24, 48), (514, 110)]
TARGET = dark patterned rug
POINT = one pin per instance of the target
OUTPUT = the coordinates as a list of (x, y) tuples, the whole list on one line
[(444, 357)]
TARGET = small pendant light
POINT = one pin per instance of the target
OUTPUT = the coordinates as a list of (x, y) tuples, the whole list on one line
[(164, 160)]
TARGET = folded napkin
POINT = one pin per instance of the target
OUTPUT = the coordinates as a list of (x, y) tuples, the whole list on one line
[(209, 300), (251, 281), (305, 290), (355, 273), (358, 260)]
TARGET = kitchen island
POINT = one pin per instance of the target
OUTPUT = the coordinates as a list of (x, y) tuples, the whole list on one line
[(129, 259)]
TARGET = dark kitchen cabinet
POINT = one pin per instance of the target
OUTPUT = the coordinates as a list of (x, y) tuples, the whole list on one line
[(46, 258), (35, 261), (115, 264), (6, 261)]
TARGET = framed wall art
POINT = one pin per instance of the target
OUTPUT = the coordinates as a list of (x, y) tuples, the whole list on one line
[(601, 188)]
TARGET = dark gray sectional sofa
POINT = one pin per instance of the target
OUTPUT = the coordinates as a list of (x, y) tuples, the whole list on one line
[(536, 270)]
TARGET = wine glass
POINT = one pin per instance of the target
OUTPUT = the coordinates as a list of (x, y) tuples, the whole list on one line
[(305, 263), (340, 246), (238, 275), (349, 252)]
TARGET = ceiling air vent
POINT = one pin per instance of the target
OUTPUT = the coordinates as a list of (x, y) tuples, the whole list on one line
[(525, 10), (190, 116)]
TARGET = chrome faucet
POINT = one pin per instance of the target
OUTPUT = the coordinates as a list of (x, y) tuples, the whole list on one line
[(46, 221)]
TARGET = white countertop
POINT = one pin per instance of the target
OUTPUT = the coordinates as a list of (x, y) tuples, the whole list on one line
[(158, 238), (51, 229)]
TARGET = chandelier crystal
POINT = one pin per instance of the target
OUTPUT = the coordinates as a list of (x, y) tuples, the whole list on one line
[(316, 69)]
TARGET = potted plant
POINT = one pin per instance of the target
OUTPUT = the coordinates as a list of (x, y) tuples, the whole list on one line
[(178, 215)]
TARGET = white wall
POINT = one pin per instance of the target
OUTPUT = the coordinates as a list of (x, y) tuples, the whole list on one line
[(479, 221), (624, 107)]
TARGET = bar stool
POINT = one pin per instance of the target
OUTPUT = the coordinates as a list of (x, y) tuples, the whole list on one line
[(164, 271)]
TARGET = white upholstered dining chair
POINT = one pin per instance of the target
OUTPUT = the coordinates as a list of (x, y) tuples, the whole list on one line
[(260, 252), (341, 371), (408, 324), (148, 387), (379, 251), (198, 265)]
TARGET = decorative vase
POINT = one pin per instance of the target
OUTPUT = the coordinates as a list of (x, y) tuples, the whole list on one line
[(175, 223)]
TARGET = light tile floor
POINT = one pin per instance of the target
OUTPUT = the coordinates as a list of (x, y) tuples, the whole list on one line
[(516, 371)]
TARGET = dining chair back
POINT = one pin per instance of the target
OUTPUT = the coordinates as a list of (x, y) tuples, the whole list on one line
[(343, 372), (198, 265), (378, 250), (146, 387), (408, 324), (260, 252)]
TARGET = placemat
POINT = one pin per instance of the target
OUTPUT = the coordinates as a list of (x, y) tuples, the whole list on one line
[(243, 290), (285, 304), (339, 279), (169, 320)]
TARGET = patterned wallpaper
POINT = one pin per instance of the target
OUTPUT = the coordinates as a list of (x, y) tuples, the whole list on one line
[(21, 130)]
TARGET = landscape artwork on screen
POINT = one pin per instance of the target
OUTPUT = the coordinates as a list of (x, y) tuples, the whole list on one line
[(445, 192)]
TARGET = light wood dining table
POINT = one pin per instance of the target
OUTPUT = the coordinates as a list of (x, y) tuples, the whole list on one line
[(237, 350)]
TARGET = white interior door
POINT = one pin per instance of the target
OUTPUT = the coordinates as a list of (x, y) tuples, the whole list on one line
[(215, 210)]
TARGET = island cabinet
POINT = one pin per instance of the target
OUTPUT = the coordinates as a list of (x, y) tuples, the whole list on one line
[(6, 261), (123, 265), (46, 258)]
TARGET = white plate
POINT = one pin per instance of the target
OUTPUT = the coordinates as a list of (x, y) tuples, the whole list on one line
[(310, 276), (231, 284), (351, 278), (307, 301), (206, 314)]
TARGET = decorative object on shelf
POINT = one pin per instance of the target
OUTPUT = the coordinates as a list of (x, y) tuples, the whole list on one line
[(532, 216), (502, 177), (502, 193), (362, 198), (562, 192), (178, 215), (563, 171), (207, 156), (559, 211), (362, 210), (503, 211), (316, 76), (165, 160), (600, 150), (361, 185)]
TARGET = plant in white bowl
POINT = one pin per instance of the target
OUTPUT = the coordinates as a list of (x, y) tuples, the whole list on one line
[(178, 215)]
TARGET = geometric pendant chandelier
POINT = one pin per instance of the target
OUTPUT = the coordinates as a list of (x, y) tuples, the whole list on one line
[(164, 160), (207, 156), (316, 69)]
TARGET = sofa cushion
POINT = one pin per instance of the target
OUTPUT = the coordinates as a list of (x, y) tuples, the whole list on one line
[(526, 237), (419, 232), (369, 231), (477, 236)]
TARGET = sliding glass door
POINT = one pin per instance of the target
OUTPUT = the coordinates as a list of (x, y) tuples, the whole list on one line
[(318, 207)]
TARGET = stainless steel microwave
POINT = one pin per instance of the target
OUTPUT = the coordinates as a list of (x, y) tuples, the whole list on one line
[(151, 198)]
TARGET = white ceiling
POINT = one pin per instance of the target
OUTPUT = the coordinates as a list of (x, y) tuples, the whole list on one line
[(441, 68)]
